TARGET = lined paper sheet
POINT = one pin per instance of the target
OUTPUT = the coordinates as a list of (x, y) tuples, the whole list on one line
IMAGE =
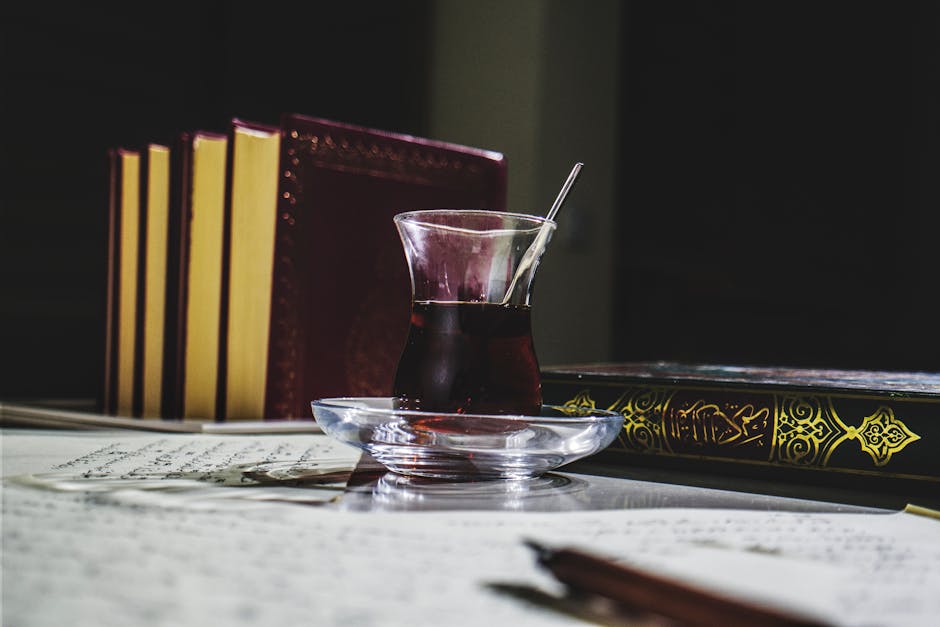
[(145, 557)]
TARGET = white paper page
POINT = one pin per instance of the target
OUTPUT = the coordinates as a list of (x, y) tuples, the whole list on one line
[(51, 417), (149, 558), (853, 569), (31, 451), (38, 451), (203, 466)]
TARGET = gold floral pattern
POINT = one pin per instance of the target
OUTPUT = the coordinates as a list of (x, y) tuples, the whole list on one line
[(805, 429), (808, 431), (882, 435)]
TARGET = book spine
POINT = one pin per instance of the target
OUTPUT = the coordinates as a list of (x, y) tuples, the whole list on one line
[(251, 215), (202, 210), (155, 278), (174, 364), (109, 380), (859, 434), (286, 351), (137, 407), (126, 253), (221, 395)]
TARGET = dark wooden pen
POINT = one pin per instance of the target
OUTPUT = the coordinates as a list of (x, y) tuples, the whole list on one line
[(640, 590)]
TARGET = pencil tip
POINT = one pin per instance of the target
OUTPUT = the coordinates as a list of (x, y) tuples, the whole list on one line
[(542, 552)]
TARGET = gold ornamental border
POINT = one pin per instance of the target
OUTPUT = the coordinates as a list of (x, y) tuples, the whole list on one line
[(806, 429)]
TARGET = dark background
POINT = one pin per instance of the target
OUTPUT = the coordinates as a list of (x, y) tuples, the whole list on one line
[(786, 161), (779, 162), (78, 80)]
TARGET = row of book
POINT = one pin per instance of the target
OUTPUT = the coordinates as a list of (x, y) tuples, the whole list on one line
[(255, 270)]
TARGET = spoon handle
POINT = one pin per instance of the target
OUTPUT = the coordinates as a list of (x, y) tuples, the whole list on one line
[(535, 249), (564, 191)]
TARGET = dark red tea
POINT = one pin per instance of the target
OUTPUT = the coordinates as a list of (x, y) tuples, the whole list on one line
[(471, 358)]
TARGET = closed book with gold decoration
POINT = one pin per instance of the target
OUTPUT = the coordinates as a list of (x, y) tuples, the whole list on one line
[(831, 426), (340, 303)]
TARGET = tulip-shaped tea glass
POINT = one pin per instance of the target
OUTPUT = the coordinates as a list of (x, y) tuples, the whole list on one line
[(469, 347), (468, 398)]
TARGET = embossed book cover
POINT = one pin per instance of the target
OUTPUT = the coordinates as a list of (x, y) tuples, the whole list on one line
[(855, 424), (341, 295)]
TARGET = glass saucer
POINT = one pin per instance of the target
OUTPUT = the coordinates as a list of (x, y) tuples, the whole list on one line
[(466, 446)]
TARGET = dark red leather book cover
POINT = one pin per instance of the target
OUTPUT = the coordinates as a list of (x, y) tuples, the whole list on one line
[(341, 293)]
